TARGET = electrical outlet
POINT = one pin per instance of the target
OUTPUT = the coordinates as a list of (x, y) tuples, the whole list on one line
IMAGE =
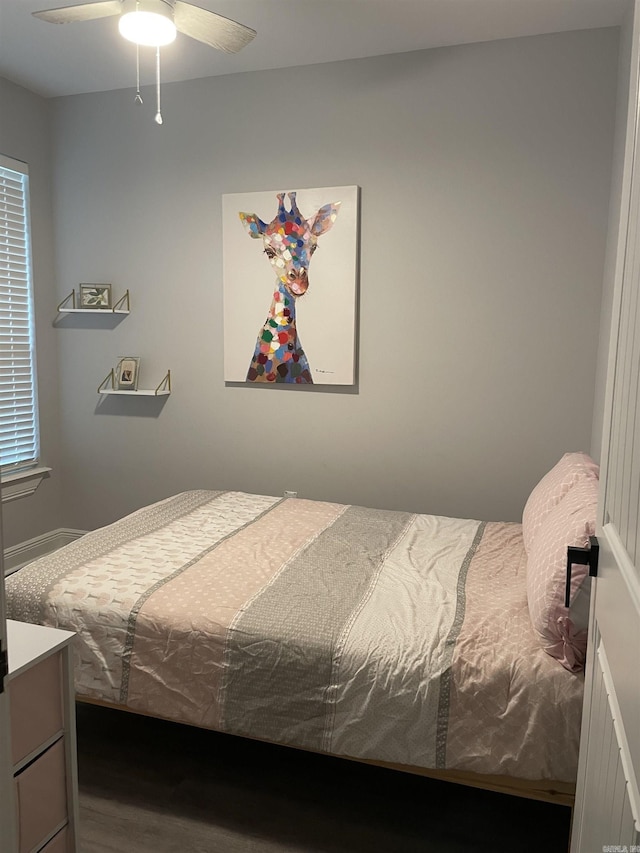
[(288, 494)]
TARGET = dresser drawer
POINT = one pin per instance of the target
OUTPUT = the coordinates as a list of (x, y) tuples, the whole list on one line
[(59, 843), (35, 699), (41, 797)]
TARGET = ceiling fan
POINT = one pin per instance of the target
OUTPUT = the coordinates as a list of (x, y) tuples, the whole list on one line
[(155, 22)]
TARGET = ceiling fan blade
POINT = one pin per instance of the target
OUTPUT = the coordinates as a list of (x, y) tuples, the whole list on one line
[(211, 28), (84, 12)]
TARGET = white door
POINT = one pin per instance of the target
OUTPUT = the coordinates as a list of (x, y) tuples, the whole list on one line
[(607, 811), (7, 813)]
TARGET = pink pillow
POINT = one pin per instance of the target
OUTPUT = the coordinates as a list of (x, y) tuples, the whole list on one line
[(572, 468), (571, 522)]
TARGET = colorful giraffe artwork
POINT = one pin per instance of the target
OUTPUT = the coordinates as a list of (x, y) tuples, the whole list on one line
[(308, 336), (289, 242)]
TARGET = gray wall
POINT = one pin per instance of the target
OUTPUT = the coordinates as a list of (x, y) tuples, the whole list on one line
[(485, 174), (624, 128), (25, 135)]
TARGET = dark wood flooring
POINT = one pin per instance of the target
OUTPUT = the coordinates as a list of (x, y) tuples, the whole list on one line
[(147, 786)]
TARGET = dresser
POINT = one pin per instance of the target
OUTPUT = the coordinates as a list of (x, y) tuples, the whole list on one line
[(43, 738)]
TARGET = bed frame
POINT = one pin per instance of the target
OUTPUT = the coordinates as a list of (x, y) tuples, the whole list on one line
[(279, 584), (548, 791)]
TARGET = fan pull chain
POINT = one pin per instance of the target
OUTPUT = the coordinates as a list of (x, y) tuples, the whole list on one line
[(158, 113), (138, 95)]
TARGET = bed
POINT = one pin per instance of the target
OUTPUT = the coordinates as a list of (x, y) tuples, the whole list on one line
[(395, 638)]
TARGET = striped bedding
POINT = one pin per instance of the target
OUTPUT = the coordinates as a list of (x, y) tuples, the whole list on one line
[(373, 634)]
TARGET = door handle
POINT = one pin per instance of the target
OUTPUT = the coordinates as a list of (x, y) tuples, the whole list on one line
[(583, 557)]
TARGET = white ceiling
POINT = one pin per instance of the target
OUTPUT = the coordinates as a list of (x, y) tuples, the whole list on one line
[(91, 56)]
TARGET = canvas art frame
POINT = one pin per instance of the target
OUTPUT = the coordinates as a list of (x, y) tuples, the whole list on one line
[(290, 286), (95, 296), (127, 372)]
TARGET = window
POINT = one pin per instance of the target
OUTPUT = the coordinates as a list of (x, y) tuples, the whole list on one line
[(19, 439)]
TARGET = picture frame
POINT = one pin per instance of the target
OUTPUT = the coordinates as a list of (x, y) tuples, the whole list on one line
[(95, 296), (127, 373), (326, 316)]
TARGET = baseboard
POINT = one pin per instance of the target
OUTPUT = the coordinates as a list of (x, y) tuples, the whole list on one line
[(25, 552)]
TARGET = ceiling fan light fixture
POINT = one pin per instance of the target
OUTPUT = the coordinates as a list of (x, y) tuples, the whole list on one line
[(148, 23)]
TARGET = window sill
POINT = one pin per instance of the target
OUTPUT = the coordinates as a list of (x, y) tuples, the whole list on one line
[(22, 483)]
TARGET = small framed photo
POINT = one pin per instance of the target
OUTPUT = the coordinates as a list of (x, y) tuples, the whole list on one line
[(95, 296), (127, 373)]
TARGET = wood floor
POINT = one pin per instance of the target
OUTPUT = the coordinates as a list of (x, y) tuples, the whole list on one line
[(152, 787)]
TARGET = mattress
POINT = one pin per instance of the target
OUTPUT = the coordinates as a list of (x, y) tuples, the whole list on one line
[(382, 635)]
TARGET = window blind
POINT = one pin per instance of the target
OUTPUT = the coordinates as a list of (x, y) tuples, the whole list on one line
[(19, 440)]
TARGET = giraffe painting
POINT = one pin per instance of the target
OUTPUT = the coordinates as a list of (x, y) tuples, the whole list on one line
[(289, 242), (292, 324)]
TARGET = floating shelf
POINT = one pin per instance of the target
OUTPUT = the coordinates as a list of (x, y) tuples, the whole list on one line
[(108, 386), (122, 306)]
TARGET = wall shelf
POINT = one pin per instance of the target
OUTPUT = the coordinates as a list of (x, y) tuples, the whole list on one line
[(108, 386), (122, 306)]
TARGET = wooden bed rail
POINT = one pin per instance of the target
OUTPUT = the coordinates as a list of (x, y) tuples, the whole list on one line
[(548, 791)]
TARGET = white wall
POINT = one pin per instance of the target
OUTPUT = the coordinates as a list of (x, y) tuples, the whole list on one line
[(25, 135), (485, 174)]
